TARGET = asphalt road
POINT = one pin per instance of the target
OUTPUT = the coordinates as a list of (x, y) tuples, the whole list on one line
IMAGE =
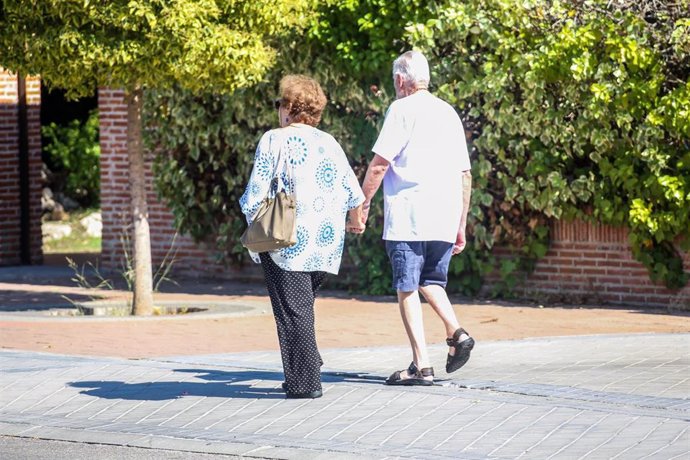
[(40, 449)]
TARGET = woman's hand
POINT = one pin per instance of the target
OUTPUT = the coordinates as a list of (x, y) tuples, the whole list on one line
[(355, 222), (355, 227)]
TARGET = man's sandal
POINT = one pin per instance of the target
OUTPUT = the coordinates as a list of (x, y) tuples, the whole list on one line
[(416, 380), (462, 351)]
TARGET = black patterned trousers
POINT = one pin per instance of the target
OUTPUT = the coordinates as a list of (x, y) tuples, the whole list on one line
[(292, 298)]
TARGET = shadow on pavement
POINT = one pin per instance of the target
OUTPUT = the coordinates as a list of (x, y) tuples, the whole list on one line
[(20, 300), (38, 275), (221, 384)]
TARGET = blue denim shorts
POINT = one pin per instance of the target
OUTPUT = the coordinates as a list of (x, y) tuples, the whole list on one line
[(419, 263)]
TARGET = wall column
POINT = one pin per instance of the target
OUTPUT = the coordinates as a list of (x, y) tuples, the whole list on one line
[(20, 152)]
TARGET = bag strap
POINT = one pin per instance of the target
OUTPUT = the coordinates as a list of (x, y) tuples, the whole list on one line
[(282, 166)]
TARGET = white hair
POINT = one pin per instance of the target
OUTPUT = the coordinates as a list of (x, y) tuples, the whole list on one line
[(413, 66)]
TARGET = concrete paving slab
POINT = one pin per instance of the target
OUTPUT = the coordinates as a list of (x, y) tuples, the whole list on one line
[(621, 396)]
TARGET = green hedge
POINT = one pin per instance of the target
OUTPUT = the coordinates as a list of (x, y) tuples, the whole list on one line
[(575, 110)]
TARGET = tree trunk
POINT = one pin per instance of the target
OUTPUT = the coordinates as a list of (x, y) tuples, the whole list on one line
[(143, 282)]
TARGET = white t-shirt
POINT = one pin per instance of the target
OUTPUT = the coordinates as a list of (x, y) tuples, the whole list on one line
[(424, 141)]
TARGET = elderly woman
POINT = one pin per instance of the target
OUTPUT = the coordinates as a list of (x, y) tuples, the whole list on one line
[(320, 177)]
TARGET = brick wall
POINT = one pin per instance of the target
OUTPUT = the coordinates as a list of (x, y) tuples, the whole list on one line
[(593, 264), (115, 201), (10, 206)]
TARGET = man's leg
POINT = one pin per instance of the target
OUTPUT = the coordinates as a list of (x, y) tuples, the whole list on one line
[(438, 299), (411, 312), (406, 260), (433, 280)]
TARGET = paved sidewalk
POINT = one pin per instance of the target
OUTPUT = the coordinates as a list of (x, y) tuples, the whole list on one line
[(616, 396)]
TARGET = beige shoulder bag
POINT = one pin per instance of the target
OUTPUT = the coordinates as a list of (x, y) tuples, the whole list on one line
[(274, 224)]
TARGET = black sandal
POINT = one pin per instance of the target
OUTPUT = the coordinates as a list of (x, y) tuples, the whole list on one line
[(417, 380), (462, 351)]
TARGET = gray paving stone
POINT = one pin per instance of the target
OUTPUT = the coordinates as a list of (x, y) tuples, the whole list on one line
[(584, 397)]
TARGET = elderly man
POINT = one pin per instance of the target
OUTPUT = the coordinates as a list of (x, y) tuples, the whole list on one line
[(421, 157)]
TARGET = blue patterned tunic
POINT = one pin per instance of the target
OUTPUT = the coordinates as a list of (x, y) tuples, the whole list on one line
[(325, 188)]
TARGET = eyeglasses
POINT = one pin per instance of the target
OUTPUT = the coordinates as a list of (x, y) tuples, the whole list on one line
[(277, 102)]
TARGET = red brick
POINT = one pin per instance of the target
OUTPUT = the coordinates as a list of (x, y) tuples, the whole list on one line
[(9, 185)]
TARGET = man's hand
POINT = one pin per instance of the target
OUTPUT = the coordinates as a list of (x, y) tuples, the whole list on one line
[(365, 212), (460, 242)]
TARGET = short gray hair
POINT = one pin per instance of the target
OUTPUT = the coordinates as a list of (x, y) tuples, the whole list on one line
[(413, 66)]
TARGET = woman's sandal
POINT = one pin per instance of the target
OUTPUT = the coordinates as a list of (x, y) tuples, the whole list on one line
[(417, 380), (462, 351)]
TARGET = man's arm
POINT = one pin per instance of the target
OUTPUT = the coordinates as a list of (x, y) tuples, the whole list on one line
[(461, 240), (372, 181)]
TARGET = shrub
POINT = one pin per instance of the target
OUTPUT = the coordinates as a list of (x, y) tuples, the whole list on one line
[(575, 109), (206, 144), (74, 155)]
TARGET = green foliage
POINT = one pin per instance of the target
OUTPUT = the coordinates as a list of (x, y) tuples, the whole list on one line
[(199, 44), (74, 153), (367, 34), (574, 109), (206, 143)]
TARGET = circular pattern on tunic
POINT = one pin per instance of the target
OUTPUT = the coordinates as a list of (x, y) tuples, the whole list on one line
[(301, 209), (296, 149), (348, 190), (255, 189), (334, 257), (319, 204), (326, 234), (326, 174), (287, 181), (313, 263), (264, 166), (326, 189), (297, 248)]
